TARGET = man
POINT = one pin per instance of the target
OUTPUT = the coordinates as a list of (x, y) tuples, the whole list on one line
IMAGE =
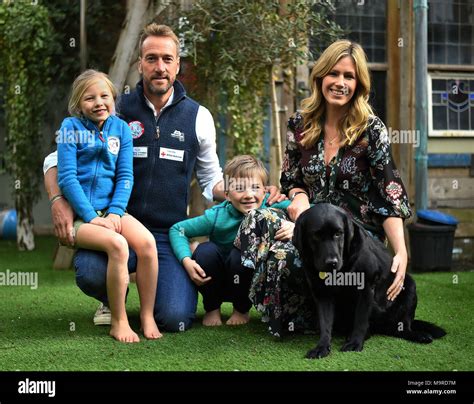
[(173, 136)]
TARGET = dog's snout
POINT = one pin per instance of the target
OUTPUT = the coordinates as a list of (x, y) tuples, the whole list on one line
[(331, 263)]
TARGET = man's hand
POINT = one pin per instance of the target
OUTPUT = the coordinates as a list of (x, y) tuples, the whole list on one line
[(195, 272), (116, 222), (298, 206), (100, 221), (285, 232), (275, 195), (63, 216)]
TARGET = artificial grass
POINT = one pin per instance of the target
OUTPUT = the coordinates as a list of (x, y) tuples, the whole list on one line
[(51, 329)]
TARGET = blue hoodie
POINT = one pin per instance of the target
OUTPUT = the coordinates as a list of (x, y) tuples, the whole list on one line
[(94, 173)]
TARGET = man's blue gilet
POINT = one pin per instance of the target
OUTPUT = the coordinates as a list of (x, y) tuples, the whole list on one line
[(165, 154)]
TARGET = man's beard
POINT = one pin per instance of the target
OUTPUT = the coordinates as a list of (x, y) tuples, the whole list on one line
[(158, 91)]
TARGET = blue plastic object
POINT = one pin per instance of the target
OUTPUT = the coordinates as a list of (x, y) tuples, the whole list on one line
[(436, 217), (8, 224)]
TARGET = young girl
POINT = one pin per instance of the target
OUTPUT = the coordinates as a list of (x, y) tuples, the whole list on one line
[(95, 174)]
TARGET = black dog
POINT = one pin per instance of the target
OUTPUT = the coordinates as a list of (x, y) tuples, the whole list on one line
[(348, 273)]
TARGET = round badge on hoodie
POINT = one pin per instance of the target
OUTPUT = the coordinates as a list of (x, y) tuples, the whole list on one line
[(137, 129), (113, 144)]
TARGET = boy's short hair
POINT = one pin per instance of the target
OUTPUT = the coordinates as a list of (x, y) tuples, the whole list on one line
[(244, 166), (80, 85)]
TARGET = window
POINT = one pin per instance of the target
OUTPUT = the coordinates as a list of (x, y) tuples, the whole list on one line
[(365, 23), (451, 110), (451, 32)]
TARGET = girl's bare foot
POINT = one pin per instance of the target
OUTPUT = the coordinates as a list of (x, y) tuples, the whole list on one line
[(122, 332), (238, 318), (150, 329), (212, 318)]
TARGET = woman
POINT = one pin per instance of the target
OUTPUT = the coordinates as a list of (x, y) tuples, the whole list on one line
[(337, 151)]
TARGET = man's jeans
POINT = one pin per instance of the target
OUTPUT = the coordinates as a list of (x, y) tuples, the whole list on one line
[(176, 294)]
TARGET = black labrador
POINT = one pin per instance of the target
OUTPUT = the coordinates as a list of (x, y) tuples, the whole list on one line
[(348, 274)]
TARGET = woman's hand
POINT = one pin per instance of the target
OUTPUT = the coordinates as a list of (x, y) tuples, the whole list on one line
[(100, 221), (393, 227), (116, 221), (298, 206), (195, 272), (285, 232), (275, 195), (399, 266)]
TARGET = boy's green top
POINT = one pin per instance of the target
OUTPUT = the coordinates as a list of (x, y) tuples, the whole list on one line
[(220, 223)]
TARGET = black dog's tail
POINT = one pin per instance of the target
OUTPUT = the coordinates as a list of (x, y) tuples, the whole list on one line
[(430, 328)]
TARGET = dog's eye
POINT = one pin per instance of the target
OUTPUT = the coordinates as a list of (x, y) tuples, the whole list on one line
[(338, 234)]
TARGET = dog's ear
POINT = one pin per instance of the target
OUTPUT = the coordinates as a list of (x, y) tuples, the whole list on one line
[(353, 237), (357, 241), (348, 235)]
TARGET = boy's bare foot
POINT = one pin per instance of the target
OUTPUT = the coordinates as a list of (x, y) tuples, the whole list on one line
[(238, 318), (150, 329), (212, 318), (122, 332)]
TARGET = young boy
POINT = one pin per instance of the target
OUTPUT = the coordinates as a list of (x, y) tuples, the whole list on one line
[(215, 265)]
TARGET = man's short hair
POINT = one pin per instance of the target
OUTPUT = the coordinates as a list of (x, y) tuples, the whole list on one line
[(155, 29), (244, 166)]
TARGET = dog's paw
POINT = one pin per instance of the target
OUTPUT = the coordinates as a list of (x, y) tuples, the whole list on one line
[(423, 337), (353, 346), (319, 352)]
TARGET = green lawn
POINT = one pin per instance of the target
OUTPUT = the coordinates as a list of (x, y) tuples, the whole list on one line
[(51, 328)]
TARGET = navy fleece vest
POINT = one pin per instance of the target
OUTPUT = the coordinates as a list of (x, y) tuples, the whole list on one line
[(162, 177)]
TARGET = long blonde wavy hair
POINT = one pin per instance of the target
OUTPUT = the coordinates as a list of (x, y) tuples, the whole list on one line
[(314, 107)]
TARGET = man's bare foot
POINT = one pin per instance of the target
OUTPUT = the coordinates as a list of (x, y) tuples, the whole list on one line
[(150, 329), (212, 318), (238, 318), (122, 332)]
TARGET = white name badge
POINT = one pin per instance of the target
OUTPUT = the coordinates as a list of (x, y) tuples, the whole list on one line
[(171, 154), (140, 152)]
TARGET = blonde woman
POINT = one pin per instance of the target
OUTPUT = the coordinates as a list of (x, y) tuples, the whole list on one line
[(338, 151)]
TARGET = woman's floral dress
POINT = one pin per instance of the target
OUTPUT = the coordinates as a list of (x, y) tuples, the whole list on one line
[(361, 178), (278, 289)]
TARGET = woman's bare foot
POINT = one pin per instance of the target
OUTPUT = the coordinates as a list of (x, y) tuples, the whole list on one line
[(122, 332), (150, 329), (212, 318), (238, 318)]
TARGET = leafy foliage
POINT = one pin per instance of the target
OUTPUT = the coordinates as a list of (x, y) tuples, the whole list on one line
[(235, 44), (103, 20), (103, 23), (25, 34)]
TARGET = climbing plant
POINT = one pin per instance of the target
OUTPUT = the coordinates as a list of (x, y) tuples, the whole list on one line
[(25, 47), (235, 45)]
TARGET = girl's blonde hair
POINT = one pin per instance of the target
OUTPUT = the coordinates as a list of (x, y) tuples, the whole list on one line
[(314, 107), (80, 85)]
